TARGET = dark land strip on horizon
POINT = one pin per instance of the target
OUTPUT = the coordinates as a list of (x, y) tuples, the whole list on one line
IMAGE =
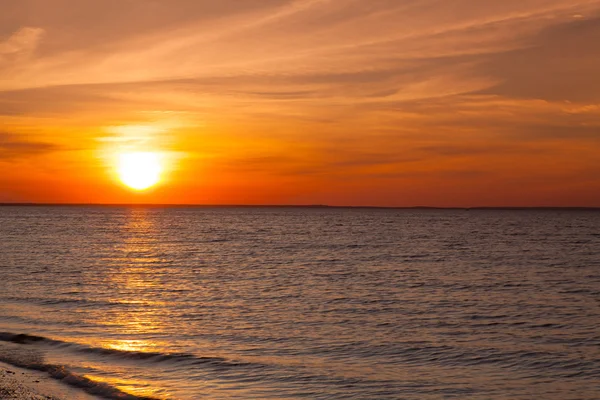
[(314, 206)]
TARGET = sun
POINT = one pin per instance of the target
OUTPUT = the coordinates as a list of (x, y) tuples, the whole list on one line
[(139, 170)]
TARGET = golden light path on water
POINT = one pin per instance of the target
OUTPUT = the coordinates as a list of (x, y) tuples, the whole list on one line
[(135, 278)]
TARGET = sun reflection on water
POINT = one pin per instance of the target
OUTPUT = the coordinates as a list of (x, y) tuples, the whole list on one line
[(137, 276), (137, 268)]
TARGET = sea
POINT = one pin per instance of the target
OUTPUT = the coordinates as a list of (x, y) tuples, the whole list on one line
[(303, 303)]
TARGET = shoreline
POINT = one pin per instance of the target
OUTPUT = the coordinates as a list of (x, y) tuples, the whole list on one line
[(23, 384)]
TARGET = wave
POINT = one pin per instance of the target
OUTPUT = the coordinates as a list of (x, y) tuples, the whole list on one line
[(156, 357), (61, 300), (61, 373), (90, 386), (20, 338), (35, 361)]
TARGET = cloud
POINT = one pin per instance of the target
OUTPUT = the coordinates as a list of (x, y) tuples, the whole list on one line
[(117, 41), (561, 63), (58, 100), (13, 146), (312, 89), (20, 46), (75, 25)]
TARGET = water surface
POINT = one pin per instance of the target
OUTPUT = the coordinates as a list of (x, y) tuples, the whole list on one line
[(287, 303)]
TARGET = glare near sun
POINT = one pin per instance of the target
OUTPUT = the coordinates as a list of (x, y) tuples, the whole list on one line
[(139, 170)]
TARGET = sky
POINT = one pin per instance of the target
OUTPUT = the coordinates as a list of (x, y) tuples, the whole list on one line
[(450, 103)]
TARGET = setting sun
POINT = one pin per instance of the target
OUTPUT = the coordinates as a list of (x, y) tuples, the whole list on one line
[(139, 170)]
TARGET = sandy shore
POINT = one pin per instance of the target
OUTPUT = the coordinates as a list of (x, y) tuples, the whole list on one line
[(21, 384)]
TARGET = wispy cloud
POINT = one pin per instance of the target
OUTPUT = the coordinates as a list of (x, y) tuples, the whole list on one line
[(14, 146), (326, 90)]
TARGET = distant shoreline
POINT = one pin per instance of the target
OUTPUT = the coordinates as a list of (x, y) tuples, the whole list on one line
[(313, 206)]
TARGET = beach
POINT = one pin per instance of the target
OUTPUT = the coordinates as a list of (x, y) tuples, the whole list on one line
[(21, 384), (15, 385)]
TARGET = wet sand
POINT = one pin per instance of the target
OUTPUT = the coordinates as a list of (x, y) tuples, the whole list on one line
[(21, 384)]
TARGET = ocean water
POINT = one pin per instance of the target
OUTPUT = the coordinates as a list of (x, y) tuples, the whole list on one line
[(288, 303)]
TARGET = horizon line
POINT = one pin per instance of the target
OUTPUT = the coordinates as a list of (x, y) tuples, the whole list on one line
[(183, 205)]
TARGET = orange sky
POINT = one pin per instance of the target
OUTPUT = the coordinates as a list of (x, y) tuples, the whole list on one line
[(341, 102)]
